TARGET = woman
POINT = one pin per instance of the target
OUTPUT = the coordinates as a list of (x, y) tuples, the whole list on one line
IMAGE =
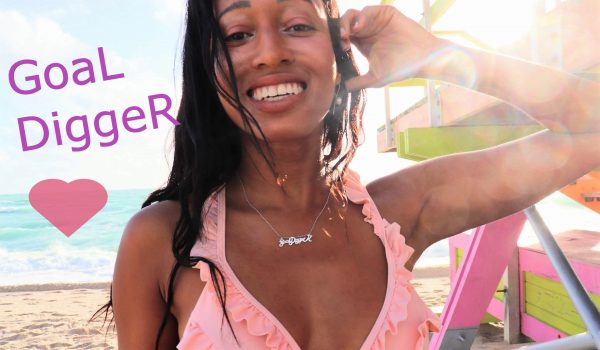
[(262, 219)]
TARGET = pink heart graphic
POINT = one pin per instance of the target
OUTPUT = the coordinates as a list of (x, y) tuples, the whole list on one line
[(68, 205)]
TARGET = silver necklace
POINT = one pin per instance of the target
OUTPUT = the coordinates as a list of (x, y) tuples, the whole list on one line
[(286, 240)]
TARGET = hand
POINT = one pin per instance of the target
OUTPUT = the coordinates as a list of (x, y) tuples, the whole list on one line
[(396, 47)]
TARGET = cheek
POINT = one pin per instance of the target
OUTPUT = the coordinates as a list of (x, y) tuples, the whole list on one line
[(230, 109), (232, 112)]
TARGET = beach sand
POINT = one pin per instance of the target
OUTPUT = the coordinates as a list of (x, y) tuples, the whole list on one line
[(55, 316)]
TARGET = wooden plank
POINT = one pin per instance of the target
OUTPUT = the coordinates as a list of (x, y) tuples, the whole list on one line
[(534, 262), (462, 242), (497, 295), (586, 191), (477, 278), (495, 311), (512, 302), (426, 143), (401, 148), (580, 34), (578, 246), (549, 302), (553, 320), (538, 330)]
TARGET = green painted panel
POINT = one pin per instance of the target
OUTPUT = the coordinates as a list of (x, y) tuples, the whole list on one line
[(556, 322), (548, 301), (500, 295), (459, 255), (400, 146), (426, 143)]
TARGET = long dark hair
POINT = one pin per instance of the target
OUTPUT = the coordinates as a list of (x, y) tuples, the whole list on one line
[(198, 171)]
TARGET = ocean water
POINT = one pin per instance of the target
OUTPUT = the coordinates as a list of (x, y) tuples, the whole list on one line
[(34, 251)]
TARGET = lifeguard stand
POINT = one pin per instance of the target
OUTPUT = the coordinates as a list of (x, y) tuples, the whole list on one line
[(442, 123)]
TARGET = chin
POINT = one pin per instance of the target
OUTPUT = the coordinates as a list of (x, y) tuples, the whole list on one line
[(292, 132)]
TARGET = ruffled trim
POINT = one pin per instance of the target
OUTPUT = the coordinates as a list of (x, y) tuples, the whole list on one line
[(358, 194), (397, 311), (432, 324), (395, 241), (194, 338), (257, 323), (239, 307)]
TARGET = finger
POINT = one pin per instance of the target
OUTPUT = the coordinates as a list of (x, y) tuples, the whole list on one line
[(347, 21), (361, 82)]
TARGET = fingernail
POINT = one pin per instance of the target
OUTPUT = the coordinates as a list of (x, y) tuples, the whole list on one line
[(342, 32), (355, 25)]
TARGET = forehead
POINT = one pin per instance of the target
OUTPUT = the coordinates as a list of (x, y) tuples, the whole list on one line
[(224, 6)]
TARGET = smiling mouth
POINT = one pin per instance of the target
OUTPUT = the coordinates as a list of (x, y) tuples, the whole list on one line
[(276, 92)]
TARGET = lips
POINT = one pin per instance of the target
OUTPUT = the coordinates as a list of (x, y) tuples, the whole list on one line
[(276, 93)]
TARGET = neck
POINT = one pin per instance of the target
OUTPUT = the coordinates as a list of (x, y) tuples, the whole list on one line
[(297, 182)]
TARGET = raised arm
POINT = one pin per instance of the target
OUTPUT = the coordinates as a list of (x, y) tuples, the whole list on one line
[(450, 194)]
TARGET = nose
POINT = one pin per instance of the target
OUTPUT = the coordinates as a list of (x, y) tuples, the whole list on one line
[(272, 50)]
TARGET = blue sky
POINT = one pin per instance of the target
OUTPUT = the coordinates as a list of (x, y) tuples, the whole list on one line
[(142, 39)]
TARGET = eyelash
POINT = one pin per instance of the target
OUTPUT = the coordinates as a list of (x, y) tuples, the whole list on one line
[(294, 29), (306, 27), (231, 38)]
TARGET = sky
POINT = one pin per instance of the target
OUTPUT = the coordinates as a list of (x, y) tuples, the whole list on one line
[(142, 40)]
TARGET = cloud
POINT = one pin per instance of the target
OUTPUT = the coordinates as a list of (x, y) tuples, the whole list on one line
[(40, 36), (168, 11), (137, 160)]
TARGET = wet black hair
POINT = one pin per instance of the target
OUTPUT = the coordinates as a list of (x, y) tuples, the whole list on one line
[(198, 170)]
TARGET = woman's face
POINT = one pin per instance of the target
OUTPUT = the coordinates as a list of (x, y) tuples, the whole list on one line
[(283, 62)]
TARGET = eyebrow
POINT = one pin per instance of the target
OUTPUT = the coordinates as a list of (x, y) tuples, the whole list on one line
[(244, 4), (234, 6)]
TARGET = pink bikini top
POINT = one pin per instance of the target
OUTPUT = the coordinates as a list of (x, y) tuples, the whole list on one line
[(404, 321)]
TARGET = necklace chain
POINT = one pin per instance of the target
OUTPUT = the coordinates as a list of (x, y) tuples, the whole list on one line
[(286, 240)]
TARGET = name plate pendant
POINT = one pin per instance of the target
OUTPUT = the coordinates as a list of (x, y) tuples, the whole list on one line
[(295, 240)]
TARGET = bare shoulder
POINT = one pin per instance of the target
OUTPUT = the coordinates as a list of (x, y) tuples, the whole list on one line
[(152, 225), (143, 263), (150, 231)]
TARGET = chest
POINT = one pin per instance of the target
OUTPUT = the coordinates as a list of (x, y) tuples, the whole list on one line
[(327, 293)]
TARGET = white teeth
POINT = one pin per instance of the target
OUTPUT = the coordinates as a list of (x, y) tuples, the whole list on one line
[(276, 92)]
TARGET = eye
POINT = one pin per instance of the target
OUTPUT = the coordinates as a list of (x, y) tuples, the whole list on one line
[(238, 36), (300, 28)]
